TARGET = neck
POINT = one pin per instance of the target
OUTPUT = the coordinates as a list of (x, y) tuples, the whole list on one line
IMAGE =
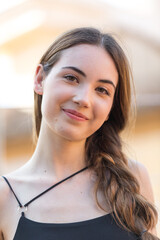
[(58, 157)]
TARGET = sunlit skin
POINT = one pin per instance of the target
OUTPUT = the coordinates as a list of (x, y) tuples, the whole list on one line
[(84, 80)]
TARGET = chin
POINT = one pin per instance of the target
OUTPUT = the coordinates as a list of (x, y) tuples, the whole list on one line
[(72, 136)]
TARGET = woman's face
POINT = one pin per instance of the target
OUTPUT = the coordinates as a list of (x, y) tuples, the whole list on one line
[(78, 92)]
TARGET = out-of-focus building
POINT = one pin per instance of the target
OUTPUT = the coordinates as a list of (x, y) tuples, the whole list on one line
[(28, 27)]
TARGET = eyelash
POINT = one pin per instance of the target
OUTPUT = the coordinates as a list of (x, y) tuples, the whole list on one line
[(104, 91), (72, 78)]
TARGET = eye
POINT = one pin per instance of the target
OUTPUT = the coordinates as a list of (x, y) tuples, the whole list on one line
[(71, 78), (103, 91)]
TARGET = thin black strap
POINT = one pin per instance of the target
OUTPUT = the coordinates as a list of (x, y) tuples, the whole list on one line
[(25, 205), (12, 191), (23, 208)]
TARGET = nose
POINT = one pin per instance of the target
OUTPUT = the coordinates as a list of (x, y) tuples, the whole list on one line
[(82, 97)]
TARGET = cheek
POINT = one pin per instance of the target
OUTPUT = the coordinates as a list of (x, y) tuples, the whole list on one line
[(48, 104), (58, 91), (102, 110), (101, 113), (53, 100)]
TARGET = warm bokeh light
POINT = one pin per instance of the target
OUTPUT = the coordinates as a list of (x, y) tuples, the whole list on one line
[(16, 89), (132, 5), (6, 5), (23, 23)]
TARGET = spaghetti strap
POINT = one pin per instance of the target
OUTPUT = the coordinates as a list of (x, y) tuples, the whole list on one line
[(20, 205), (23, 208), (48, 189)]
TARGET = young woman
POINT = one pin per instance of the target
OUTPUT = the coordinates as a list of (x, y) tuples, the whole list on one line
[(78, 184)]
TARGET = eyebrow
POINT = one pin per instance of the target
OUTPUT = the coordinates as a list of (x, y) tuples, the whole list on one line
[(84, 75), (76, 70), (107, 81)]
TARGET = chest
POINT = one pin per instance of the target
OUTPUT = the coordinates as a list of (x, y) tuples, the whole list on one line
[(64, 204)]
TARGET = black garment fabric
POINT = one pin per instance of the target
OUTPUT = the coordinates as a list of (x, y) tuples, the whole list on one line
[(100, 228)]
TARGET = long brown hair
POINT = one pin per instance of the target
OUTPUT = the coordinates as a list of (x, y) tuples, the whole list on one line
[(104, 148)]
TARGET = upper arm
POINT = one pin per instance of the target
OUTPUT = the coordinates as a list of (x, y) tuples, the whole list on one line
[(145, 183), (3, 200), (142, 175)]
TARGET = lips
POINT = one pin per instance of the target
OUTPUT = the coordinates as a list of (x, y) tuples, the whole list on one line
[(76, 113)]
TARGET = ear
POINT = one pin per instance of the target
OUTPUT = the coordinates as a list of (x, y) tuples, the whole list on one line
[(38, 80)]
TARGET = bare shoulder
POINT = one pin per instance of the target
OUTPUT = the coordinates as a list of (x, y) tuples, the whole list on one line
[(4, 192), (142, 175), (6, 196)]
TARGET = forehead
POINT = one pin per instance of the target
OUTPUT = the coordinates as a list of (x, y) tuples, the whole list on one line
[(86, 52)]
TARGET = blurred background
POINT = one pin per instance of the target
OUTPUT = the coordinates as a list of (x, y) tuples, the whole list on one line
[(28, 27)]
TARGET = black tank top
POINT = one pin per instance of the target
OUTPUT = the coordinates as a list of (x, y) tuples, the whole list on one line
[(100, 228)]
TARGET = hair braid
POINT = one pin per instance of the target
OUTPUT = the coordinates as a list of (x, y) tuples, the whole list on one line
[(131, 210)]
